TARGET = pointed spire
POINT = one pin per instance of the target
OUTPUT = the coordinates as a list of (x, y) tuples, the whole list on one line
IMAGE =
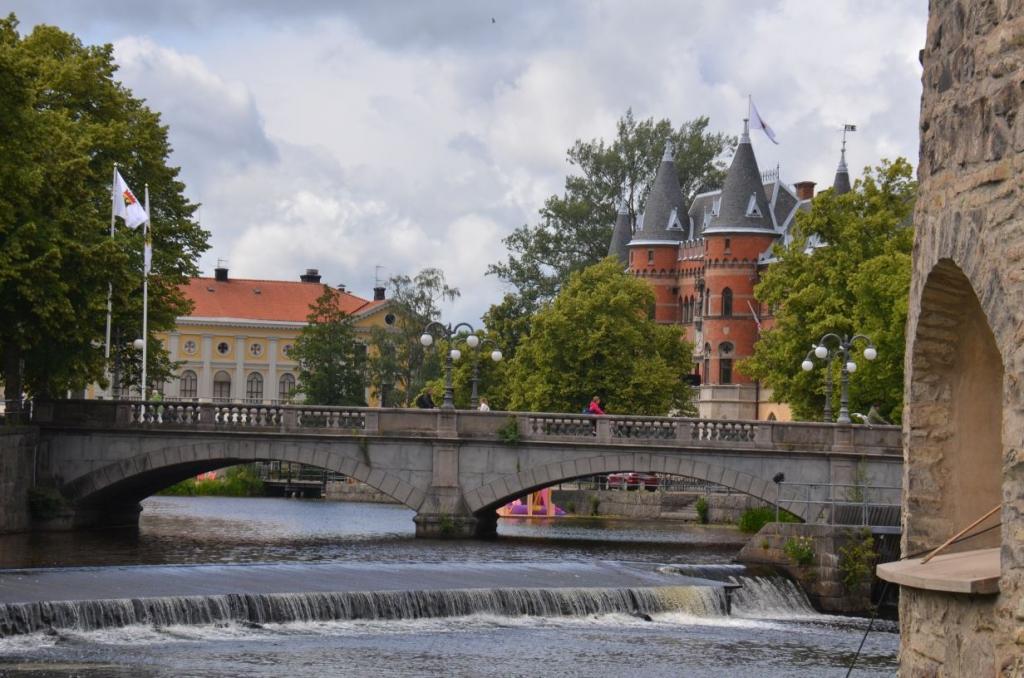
[(841, 184), (744, 205), (622, 233), (665, 210)]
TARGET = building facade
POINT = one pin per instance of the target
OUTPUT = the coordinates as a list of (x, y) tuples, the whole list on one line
[(236, 343), (703, 262)]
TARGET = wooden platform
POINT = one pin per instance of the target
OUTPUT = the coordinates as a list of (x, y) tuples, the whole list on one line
[(964, 572)]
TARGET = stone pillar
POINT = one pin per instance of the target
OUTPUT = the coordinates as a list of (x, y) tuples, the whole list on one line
[(270, 389), (205, 391), (238, 383), (443, 513)]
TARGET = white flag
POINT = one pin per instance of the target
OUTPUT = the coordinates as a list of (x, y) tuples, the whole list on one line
[(757, 122), (147, 255), (126, 205)]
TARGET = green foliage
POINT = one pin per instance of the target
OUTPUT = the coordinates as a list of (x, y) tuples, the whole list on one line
[(332, 363), (857, 560), (595, 339), (45, 503), (595, 505), (576, 226), (446, 525), (800, 550), (858, 283), (702, 510), (237, 481), (753, 519), (570, 507), (397, 357), (509, 432), (64, 121)]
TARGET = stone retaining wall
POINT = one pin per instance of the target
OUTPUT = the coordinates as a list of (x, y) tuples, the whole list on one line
[(722, 508), (342, 490), (17, 458)]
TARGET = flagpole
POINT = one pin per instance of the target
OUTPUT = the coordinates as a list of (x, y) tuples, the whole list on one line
[(145, 296), (110, 285)]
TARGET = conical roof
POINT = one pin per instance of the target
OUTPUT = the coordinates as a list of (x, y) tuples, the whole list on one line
[(842, 181), (665, 216), (622, 234), (744, 206)]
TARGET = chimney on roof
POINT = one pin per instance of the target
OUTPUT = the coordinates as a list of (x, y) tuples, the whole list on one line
[(378, 294), (312, 275), (804, 190), (220, 274), (341, 287)]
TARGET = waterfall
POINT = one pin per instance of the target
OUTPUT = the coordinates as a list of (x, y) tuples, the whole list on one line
[(754, 592), (87, 615)]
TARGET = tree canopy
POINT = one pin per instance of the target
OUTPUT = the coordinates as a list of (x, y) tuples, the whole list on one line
[(64, 122), (595, 338), (332, 363), (856, 281)]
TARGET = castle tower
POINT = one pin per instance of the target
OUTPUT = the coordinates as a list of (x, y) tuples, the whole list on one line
[(622, 234), (654, 248), (741, 230)]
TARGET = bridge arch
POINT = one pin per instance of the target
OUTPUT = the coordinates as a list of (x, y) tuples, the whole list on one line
[(134, 478), (490, 496)]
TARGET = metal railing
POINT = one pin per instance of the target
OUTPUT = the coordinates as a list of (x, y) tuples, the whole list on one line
[(874, 506)]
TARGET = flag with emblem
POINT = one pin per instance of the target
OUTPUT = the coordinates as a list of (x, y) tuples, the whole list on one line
[(757, 122), (126, 205)]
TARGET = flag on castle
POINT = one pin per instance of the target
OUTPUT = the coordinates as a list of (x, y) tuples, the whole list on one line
[(757, 122), (126, 205)]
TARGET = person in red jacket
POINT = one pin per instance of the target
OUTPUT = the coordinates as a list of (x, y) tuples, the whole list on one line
[(595, 406)]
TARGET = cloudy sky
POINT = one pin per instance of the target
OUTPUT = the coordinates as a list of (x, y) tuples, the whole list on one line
[(350, 135)]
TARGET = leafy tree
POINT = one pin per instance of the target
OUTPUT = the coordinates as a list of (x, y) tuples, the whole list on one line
[(332, 363), (595, 338), (858, 283), (576, 226), (397, 357), (64, 121)]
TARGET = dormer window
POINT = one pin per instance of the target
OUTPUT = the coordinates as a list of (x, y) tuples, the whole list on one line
[(752, 208), (673, 221), (716, 206)]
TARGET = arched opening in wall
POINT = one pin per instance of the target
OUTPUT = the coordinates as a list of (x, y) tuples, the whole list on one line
[(725, 350), (254, 388), (285, 387), (221, 387), (188, 385), (954, 473), (727, 303)]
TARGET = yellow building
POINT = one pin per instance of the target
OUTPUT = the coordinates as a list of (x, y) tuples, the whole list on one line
[(235, 344)]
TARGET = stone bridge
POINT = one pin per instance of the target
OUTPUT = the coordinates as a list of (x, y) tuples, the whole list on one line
[(454, 468)]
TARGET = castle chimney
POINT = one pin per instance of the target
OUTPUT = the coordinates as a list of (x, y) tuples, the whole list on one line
[(804, 190), (378, 294), (312, 275), (220, 274)]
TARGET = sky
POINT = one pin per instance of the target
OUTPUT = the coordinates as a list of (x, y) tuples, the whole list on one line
[(376, 138)]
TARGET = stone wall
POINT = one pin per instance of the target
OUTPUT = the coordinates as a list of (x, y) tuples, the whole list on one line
[(17, 456), (964, 416), (343, 490), (722, 508)]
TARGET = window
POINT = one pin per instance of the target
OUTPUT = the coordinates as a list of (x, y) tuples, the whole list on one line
[(256, 350), (707, 302), (188, 385), (631, 256), (728, 245), (223, 348), (190, 347), (285, 386), (286, 349), (222, 386), (650, 256), (727, 303), (725, 363), (707, 363), (254, 387)]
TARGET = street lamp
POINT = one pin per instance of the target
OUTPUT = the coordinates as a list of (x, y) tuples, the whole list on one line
[(474, 341), (842, 351), (449, 334)]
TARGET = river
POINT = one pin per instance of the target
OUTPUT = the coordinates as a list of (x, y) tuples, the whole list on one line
[(271, 587)]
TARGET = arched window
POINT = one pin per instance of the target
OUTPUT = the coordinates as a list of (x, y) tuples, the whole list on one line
[(725, 363), (707, 363), (188, 385), (727, 303), (707, 302), (254, 387), (285, 386), (222, 386)]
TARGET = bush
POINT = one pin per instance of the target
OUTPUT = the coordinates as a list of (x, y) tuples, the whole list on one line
[(510, 431), (595, 504), (238, 481), (753, 519), (856, 561), (800, 550), (702, 510)]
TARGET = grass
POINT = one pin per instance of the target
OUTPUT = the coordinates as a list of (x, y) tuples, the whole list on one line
[(238, 481)]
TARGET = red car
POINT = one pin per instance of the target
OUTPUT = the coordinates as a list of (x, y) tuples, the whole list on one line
[(632, 481)]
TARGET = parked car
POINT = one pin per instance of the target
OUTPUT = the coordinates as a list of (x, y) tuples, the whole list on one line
[(633, 481)]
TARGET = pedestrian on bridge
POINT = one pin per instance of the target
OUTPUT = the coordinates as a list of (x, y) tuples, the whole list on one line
[(595, 406)]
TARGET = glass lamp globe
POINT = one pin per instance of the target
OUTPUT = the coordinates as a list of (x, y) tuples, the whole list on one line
[(455, 354), (496, 355), (851, 367), (870, 353), (807, 365), (426, 339), (473, 341), (139, 344), (821, 351)]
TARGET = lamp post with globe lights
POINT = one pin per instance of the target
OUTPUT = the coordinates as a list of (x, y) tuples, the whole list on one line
[(449, 333), (474, 399), (842, 350)]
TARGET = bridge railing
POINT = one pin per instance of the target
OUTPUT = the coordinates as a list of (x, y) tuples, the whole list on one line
[(876, 506), (531, 426)]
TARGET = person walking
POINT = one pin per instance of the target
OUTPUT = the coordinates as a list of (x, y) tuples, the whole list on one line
[(484, 407), (595, 406)]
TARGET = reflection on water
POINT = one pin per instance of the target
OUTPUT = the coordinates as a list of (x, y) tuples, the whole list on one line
[(239, 530)]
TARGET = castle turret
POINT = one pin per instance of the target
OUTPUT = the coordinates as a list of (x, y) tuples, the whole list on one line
[(841, 184), (622, 234)]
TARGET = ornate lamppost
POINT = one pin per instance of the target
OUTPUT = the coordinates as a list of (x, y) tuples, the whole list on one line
[(842, 350), (449, 334), (474, 399)]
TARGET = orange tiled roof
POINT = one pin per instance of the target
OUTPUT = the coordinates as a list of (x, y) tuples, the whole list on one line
[(262, 299)]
